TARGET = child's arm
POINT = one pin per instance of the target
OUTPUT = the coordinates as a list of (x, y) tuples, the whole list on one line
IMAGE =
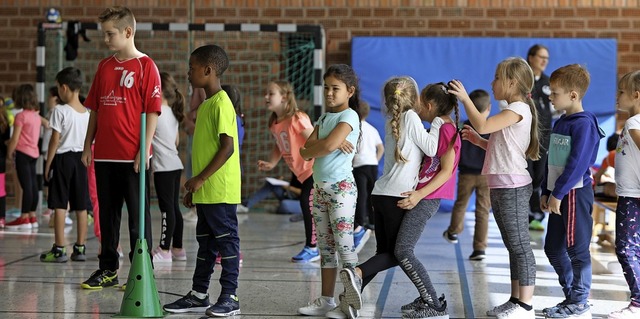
[(152, 122), (273, 160), (447, 162), (88, 140), (426, 141), (482, 124), (379, 151), (53, 147), (322, 147), (469, 134), (221, 157), (13, 142)]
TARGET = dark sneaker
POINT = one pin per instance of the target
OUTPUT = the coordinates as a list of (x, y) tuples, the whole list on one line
[(352, 287), (450, 237), (100, 279), (188, 303), (478, 255), (78, 253), (227, 305), (55, 255), (555, 308), (426, 310), (413, 306), (571, 310)]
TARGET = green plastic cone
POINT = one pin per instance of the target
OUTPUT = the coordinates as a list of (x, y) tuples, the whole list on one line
[(141, 299)]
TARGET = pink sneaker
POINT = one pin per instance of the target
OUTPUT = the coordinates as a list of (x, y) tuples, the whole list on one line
[(2, 223), (19, 224), (179, 254), (161, 256), (34, 222)]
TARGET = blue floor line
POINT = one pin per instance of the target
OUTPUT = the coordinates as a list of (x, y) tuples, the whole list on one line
[(384, 292), (464, 285)]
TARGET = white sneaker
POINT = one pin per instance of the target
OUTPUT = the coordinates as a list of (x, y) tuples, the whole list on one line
[(500, 308), (161, 256), (68, 221), (517, 312), (628, 312), (242, 209), (318, 307)]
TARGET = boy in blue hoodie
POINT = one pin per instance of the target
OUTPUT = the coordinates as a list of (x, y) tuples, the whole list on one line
[(567, 192)]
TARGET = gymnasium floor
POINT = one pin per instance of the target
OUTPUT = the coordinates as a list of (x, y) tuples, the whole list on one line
[(273, 287)]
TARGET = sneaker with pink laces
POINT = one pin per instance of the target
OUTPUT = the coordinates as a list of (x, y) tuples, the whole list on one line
[(179, 254), (20, 223), (34, 222), (160, 255)]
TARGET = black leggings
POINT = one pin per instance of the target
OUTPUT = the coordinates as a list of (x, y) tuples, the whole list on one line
[(26, 171), (167, 186), (305, 201), (388, 220)]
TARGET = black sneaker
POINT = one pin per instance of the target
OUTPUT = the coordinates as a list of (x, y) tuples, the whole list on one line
[(55, 255), (450, 237), (78, 253), (478, 255), (188, 303), (227, 305), (100, 279)]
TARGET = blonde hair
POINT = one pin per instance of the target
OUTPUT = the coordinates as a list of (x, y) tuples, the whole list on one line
[(400, 95), (291, 106), (572, 77), (172, 94), (518, 70), (630, 82), (122, 17)]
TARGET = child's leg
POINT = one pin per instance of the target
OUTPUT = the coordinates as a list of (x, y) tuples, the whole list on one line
[(131, 182), (179, 227), (388, 220), (217, 231), (326, 243), (410, 231), (309, 225), (344, 195), (81, 221), (109, 180), (58, 226), (465, 188), (360, 177), (165, 192), (93, 196), (26, 171), (511, 207), (263, 193), (576, 210), (556, 250), (3, 193), (628, 243), (483, 205)]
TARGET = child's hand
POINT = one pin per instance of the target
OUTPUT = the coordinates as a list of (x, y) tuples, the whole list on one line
[(194, 184), (265, 166), (458, 90), (346, 147), (554, 205), (544, 205), (410, 201), (86, 157), (136, 163), (469, 134), (187, 200)]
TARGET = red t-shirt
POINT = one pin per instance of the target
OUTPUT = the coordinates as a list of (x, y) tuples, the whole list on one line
[(121, 91)]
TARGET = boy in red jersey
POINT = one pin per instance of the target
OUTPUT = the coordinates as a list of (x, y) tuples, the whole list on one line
[(125, 85)]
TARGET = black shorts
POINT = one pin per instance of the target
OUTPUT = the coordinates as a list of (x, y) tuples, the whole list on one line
[(68, 182)]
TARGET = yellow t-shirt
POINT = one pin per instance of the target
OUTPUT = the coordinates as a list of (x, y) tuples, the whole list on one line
[(216, 116)]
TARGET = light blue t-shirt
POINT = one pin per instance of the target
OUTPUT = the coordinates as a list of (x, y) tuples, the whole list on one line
[(336, 166)]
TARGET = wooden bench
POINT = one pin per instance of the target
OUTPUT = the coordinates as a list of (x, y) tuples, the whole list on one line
[(604, 223)]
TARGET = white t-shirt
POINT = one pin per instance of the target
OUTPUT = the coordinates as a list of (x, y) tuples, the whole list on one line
[(506, 150), (628, 161), (165, 151), (414, 143), (366, 152), (72, 126)]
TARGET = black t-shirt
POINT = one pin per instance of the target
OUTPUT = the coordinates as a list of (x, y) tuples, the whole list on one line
[(540, 96)]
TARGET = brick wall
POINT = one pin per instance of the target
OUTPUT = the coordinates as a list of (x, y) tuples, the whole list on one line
[(342, 20)]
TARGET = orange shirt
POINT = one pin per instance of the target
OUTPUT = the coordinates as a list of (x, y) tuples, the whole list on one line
[(289, 138), (610, 160)]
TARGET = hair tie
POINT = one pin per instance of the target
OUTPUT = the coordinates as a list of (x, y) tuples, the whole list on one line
[(529, 95), (397, 92), (444, 89)]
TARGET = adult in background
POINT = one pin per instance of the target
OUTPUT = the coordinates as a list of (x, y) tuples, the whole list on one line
[(538, 59)]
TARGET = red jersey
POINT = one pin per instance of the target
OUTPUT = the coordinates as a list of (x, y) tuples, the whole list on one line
[(121, 91)]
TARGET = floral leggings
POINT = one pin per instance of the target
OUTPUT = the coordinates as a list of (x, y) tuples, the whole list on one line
[(334, 207)]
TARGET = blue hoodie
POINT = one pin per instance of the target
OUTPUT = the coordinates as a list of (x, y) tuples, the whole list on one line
[(572, 151)]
